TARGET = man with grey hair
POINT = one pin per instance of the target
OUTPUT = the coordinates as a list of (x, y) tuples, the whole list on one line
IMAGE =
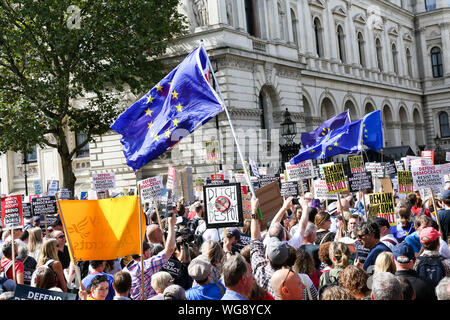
[(238, 278), (386, 287), (443, 289), (309, 236)]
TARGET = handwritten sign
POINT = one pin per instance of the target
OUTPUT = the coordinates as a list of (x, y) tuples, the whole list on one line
[(335, 178), (103, 181), (356, 164), (405, 182), (223, 205), (12, 217), (302, 170), (382, 205)]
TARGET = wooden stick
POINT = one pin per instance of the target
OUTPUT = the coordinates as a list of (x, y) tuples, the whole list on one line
[(342, 213), (303, 188), (13, 255), (141, 245), (159, 219), (72, 255)]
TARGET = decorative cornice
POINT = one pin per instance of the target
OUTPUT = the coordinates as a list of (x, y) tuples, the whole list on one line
[(243, 113)]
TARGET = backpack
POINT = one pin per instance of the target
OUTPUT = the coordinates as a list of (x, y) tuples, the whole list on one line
[(3, 271), (431, 269)]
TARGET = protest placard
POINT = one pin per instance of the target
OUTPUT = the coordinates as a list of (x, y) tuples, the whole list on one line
[(428, 154), (420, 162), (428, 177), (335, 178), (302, 170), (382, 205), (103, 181), (223, 206), (151, 189), (37, 186), (24, 292), (26, 210), (254, 167), (389, 169), (64, 194), (405, 182), (360, 181), (321, 174), (407, 161), (399, 166), (376, 168), (247, 205), (52, 187), (187, 184), (447, 156), (356, 164), (289, 189), (12, 217), (171, 176), (270, 201), (267, 179), (212, 151), (44, 205), (321, 191)]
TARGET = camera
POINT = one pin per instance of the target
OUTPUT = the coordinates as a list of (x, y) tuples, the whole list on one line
[(295, 201)]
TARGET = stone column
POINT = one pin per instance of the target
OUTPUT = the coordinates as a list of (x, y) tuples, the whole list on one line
[(445, 36), (217, 12), (306, 29), (330, 29), (401, 56), (289, 32), (240, 9), (426, 58), (274, 21), (351, 43)]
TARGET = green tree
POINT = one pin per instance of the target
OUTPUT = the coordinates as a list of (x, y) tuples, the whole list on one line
[(53, 52)]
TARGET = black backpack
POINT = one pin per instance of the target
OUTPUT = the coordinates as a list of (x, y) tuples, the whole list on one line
[(431, 269)]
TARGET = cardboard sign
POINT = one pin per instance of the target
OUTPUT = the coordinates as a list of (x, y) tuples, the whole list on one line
[(270, 201), (12, 217), (187, 184), (37, 186), (428, 154), (289, 189), (360, 181), (428, 177), (151, 189), (212, 151), (356, 164), (303, 170), (405, 182), (382, 205), (171, 176), (103, 181), (24, 292), (335, 178), (44, 206), (223, 206), (384, 185), (321, 191), (267, 179), (52, 187)]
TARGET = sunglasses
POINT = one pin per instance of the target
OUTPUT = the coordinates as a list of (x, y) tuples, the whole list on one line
[(61, 237), (287, 275), (360, 236)]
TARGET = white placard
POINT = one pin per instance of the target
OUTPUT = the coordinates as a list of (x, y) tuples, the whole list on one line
[(300, 171), (428, 177), (151, 189)]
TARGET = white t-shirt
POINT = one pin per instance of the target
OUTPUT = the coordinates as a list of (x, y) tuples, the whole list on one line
[(388, 239)]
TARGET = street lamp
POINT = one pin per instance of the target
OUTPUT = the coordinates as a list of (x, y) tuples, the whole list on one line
[(439, 154), (288, 132)]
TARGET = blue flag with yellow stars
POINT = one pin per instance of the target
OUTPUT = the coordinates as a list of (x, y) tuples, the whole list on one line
[(180, 103), (311, 138), (347, 139)]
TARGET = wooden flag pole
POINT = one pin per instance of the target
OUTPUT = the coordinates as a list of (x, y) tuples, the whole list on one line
[(13, 256), (141, 245), (72, 256), (159, 219), (342, 213), (437, 216)]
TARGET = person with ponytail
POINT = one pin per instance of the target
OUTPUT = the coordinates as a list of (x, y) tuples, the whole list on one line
[(340, 257)]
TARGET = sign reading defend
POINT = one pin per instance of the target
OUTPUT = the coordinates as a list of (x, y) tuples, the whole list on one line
[(103, 181)]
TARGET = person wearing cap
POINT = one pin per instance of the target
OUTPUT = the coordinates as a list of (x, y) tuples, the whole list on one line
[(200, 270), (429, 238), (404, 262), (444, 213), (385, 232), (174, 292)]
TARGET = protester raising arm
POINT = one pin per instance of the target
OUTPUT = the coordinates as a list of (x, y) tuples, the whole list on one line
[(170, 241), (255, 229), (279, 216)]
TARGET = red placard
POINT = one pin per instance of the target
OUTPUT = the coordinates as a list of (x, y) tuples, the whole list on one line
[(12, 217), (428, 154)]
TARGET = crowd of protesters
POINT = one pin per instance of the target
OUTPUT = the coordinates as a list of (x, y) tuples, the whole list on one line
[(305, 252)]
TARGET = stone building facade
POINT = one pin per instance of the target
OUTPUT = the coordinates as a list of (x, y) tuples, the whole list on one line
[(315, 58)]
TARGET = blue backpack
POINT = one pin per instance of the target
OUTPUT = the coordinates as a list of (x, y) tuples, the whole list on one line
[(431, 269)]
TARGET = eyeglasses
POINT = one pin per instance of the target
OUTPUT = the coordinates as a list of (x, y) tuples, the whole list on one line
[(360, 236), (61, 237), (287, 275)]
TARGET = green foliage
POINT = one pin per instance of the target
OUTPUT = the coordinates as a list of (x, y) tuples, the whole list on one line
[(48, 58)]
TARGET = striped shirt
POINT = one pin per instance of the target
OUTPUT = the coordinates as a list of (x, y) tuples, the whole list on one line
[(151, 266), (262, 270)]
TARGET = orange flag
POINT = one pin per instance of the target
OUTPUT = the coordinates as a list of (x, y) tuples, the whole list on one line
[(104, 229)]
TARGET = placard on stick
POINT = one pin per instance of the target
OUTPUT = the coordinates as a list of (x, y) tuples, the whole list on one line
[(335, 178), (151, 189), (428, 177), (12, 217), (103, 181), (405, 182), (223, 205), (270, 201), (44, 206), (356, 164), (382, 205), (360, 181)]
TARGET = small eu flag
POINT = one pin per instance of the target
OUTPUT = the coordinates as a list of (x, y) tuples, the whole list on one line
[(311, 138), (372, 130), (180, 103)]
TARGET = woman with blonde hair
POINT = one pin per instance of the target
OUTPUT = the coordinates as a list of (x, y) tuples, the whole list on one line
[(49, 257), (160, 281), (385, 263), (215, 254), (34, 242), (340, 257)]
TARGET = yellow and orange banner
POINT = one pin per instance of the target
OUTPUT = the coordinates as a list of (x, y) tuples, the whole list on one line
[(103, 229)]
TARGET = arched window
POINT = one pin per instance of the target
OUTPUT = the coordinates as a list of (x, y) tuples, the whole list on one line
[(379, 49), (294, 27), (395, 58), (409, 62), (341, 43), (436, 62), (362, 54), (318, 37), (444, 126)]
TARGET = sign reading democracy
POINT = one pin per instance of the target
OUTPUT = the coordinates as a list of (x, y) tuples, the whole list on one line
[(356, 164), (428, 177), (151, 188), (12, 217), (302, 170), (44, 205), (223, 205), (405, 182), (360, 181), (335, 178), (103, 181), (382, 204)]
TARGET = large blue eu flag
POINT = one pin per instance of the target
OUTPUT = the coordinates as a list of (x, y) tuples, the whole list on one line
[(180, 103)]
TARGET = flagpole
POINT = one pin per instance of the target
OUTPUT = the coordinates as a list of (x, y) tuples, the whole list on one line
[(72, 256), (141, 246), (233, 132)]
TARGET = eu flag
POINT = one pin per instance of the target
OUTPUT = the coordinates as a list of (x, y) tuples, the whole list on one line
[(180, 103), (343, 140), (311, 138), (372, 130)]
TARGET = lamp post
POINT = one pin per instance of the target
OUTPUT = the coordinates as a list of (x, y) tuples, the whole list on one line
[(288, 131), (439, 154)]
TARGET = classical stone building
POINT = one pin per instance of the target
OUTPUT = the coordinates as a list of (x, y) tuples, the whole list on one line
[(315, 58)]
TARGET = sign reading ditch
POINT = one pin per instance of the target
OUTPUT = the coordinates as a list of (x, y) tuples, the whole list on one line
[(223, 205)]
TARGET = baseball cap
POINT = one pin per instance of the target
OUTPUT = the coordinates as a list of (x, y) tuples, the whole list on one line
[(309, 195), (445, 195), (403, 252), (199, 269), (174, 292), (429, 234), (235, 232), (332, 208), (347, 240), (276, 251)]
